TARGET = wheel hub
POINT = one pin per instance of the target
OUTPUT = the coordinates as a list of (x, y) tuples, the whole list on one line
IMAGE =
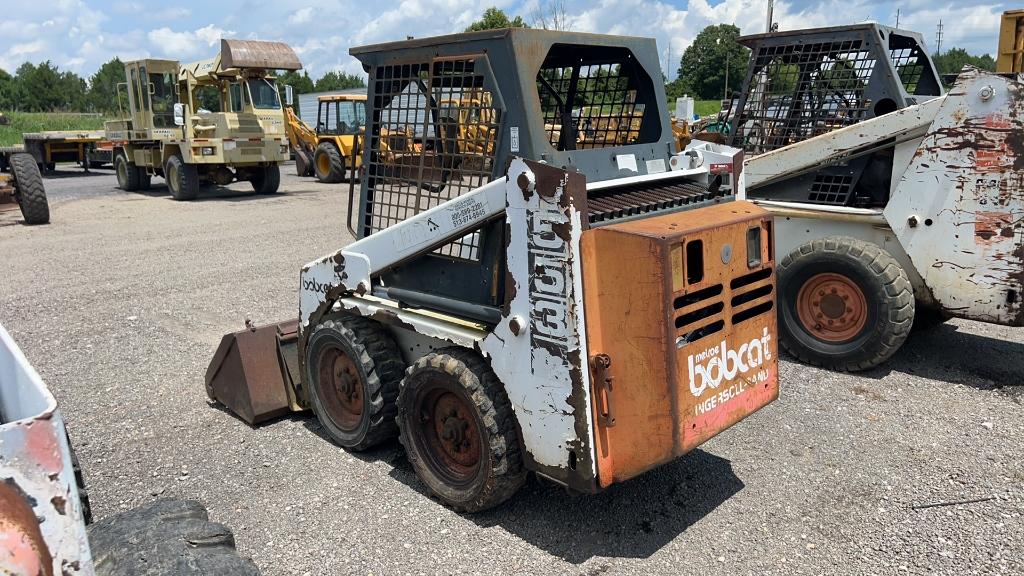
[(832, 307), (342, 388), (450, 435)]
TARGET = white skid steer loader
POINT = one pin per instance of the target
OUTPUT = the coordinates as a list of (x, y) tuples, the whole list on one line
[(587, 315)]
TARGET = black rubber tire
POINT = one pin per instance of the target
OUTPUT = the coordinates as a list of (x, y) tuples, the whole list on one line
[(887, 292), (336, 164), (267, 180), (501, 473), (166, 537), (50, 166), (29, 190), (145, 180), (380, 367), (127, 173), (182, 178), (303, 163), (83, 491)]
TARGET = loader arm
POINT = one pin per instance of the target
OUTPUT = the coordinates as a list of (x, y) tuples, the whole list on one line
[(840, 145), (300, 135)]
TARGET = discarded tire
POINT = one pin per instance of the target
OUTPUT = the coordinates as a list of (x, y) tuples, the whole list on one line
[(844, 304), (166, 537), (31, 195), (459, 431)]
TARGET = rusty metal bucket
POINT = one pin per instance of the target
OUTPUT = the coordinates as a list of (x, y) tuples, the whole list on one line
[(254, 370)]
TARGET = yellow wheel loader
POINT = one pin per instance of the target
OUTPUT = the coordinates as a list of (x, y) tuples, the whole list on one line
[(333, 149)]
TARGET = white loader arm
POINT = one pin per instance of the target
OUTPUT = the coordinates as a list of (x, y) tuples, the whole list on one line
[(352, 267), (906, 124)]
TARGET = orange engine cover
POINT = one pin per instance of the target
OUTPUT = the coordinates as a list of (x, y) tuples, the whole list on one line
[(683, 306)]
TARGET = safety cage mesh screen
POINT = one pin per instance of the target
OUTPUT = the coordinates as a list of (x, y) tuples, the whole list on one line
[(799, 91), (911, 64), (433, 138), (591, 104)]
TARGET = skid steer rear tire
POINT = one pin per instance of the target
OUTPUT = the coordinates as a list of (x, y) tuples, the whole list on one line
[(328, 163), (267, 180), (182, 178), (354, 368), (127, 173), (29, 188), (459, 431), (844, 304), (166, 537)]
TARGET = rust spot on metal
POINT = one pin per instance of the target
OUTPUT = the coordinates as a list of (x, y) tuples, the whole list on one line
[(524, 184), (59, 504), (20, 535)]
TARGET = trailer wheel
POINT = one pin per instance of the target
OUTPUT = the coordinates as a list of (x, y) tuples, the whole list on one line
[(267, 180), (28, 186), (845, 304), (182, 178), (354, 367), (328, 163), (166, 537), (127, 173), (459, 431)]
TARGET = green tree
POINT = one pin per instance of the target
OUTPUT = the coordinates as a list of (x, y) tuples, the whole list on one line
[(7, 89), (952, 61), (714, 54), (334, 80), (495, 17), (103, 86), (300, 83)]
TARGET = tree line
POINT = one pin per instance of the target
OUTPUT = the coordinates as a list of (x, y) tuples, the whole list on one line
[(44, 87)]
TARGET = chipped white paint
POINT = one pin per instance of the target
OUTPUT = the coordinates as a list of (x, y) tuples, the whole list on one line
[(536, 364), (965, 192), (956, 209), (36, 459)]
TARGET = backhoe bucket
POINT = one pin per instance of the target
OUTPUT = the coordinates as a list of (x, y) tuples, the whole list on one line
[(253, 371)]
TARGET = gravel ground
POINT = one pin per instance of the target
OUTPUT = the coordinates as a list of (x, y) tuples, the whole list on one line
[(121, 301)]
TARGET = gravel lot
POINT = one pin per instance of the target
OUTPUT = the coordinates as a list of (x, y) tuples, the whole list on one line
[(121, 301)]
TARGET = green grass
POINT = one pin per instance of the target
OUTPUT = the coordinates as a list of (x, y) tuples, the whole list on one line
[(21, 122), (707, 107)]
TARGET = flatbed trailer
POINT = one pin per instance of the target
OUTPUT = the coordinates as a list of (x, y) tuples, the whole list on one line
[(89, 149)]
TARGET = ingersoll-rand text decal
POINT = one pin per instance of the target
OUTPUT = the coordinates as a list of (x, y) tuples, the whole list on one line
[(720, 364)]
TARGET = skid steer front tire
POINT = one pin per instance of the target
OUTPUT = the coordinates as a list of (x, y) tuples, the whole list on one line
[(459, 431), (328, 163), (354, 367), (28, 183), (844, 304)]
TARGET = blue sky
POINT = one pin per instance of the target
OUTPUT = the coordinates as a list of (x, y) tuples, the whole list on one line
[(82, 34)]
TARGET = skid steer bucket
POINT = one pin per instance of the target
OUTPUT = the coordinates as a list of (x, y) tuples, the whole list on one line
[(253, 371)]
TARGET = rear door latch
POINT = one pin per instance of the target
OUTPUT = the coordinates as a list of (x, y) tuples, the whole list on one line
[(600, 363)]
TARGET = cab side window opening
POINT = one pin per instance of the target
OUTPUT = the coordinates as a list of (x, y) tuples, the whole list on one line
[(164, 98), (263, 94), (235, 95)]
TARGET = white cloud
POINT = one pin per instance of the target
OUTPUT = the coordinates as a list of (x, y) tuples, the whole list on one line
[(301, 16), (186, 44)]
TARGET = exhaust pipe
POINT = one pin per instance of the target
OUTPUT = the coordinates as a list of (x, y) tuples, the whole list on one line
[(254, 372)]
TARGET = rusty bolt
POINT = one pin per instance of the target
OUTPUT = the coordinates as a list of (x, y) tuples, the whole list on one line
[(516, 325), (912, 221)]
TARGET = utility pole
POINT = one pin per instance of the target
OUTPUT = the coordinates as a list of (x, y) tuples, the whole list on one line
[(897, 17), (768, 26), (938, 39)]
